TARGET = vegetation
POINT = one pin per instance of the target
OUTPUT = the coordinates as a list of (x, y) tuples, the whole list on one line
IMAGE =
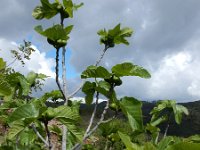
[(31, 124)]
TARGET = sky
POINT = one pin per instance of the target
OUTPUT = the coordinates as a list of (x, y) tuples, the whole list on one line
[(165, 42)]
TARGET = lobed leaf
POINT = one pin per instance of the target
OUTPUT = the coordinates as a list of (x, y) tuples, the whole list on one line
[(24, 111), (128, 69), (95, 72)]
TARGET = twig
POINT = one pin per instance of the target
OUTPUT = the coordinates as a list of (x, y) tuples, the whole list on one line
[(167, 127), (101, 57), (93, 115), (78, 146), (48, 134), (11, 62), (39, 135), (76, 91), (96, 64), (100, 121)]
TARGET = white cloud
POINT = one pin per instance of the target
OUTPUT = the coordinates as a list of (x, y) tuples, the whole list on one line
[(172, 73), (38, 62)]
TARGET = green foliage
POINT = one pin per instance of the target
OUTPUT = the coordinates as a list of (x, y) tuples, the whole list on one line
[(2, 64), (89, 90), (95, 72), (127, 141), (48, 10), (132, 109), (57, 36), (53, 95), (184, 146), (119, 70), (171, 107), (115, 36), (27, 111)]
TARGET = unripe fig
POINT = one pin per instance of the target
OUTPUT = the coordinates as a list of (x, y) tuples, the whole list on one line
[(51, 41), (113, 106)]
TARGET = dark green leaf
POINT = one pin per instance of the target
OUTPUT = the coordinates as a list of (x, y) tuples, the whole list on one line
[(95, 72), (24, 111), (103, 87)]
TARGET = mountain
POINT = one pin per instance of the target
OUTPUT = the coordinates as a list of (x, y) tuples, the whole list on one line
[(190, 124)]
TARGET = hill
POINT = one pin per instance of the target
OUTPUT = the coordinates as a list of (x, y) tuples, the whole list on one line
[(190, 124)]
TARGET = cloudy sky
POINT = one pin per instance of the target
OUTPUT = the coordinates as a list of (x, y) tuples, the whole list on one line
[(165, 42)]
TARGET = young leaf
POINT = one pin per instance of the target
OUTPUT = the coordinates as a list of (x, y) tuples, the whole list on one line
[(115, 36), (5, 87), (165, 142), (15, 128), (47, 10), (128, 69), (132, 108), (179, 110), (38, 13), (133, 123), (2, 64), (31, 77), (184, 146), (89, 90), (127, 141)]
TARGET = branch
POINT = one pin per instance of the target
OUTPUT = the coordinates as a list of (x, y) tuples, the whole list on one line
[(57, 73), (11, 62), (96, 64), (39, 135), (93, 115), (76, 91), (78, 146), (100, 121), (48, 134), (101, 57), (64, 75)]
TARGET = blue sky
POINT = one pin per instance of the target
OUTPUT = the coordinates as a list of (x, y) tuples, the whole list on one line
[(71, 73)]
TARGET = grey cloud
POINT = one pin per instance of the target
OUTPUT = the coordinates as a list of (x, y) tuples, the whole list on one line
[(161, 28)]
